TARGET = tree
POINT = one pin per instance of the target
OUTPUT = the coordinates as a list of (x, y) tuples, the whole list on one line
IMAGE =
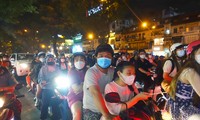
[(10, 10)]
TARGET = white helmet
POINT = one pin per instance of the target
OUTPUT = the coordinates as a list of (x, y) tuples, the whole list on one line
[(174, 46)]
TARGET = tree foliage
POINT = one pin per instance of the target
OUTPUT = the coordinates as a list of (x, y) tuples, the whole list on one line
[(10, 10)]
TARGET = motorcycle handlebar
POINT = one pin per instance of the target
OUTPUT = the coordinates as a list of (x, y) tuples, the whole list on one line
[(19, 96)]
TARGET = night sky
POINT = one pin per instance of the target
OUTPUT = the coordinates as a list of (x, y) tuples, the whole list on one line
[(148, 8)]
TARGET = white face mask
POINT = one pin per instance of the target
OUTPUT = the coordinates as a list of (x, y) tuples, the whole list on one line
[(79, 65), (142, 56), (128, 79), (180, 53), (41, 59), (197, 58), (62, 60)]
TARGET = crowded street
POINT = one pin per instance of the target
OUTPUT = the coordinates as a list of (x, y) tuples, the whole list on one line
[(99, 60)]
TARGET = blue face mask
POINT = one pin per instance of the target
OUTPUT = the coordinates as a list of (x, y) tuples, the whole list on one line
[(104, 62)]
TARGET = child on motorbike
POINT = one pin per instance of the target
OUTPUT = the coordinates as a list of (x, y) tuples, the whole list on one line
[(124, 77)]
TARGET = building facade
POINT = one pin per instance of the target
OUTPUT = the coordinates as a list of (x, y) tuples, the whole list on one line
[(183, 28)]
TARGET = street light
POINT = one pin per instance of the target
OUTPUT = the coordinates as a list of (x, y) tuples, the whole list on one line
[(144, 24), (25, 30), (90, 36), (43, 46), (153, 27)]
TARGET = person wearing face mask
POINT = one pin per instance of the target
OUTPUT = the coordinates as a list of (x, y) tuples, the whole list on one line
[(46, 76), (76, 76), (6, 62), (36, 65), (62, 64), (124, 77), (184, 88), (143, 68), (94, 84), (173, 64)]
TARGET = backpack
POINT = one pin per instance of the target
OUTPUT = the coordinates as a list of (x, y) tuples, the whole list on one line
[(159, 71)]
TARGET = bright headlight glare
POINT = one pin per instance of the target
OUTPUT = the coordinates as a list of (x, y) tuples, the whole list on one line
[(62, 82), (1, 102), (70, 64), (24, 65)]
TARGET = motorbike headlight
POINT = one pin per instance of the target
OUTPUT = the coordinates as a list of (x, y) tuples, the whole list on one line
[(24, 65), (62, 82), (1, 102), (70, 64)]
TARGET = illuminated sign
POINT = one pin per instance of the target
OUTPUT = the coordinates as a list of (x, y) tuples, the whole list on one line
[(77, 48), (78, 38), (95, 10)]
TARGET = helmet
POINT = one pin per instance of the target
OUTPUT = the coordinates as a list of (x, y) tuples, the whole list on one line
[(175, 46), (192, 45), (48, 55), (82, 54), (41, 53)]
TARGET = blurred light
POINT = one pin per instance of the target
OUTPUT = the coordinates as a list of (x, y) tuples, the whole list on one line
[(1, 102), (60, 36), (62, 82), (166, 115), (153, 27), (77, 48), (25, 30), (24, 65), (43, 46), (144, 24), (167, 31), (60, 47), (49, 46), (90, 36), (37, 31)]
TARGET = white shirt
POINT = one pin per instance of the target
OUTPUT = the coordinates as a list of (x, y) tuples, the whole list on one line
[(168, 67), (94, 77), (125, 95)]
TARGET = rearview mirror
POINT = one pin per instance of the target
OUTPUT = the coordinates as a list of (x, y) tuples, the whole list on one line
[(112, 97)]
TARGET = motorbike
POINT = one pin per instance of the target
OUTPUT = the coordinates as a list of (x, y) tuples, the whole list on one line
[(7, 99), (134, 113), (62, 85)]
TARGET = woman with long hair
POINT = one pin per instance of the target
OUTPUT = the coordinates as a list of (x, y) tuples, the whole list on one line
[(184, 88), (173, 64)]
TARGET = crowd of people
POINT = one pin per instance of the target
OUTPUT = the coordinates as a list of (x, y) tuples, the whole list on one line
[(91, 78)]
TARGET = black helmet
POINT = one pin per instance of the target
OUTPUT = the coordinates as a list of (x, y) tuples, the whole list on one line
[(48, 55)]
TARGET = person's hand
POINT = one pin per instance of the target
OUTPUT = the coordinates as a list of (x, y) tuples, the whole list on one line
[(77, 88), (43, 83), (151, 60), (148, 73), (110, 117), (143, 96)]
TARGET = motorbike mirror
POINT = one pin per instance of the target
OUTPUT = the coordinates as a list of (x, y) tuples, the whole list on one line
[(112, 97)]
